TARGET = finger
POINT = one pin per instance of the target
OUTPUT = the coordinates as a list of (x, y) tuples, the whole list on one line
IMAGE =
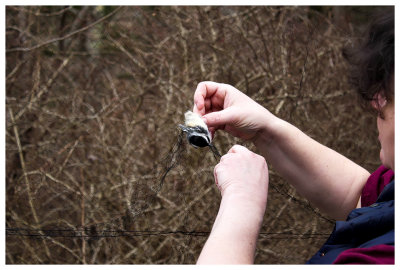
[(196, 110), (207, 106), (238, 148), (203, 90), (212, 132), (220, 118), (224, 157)]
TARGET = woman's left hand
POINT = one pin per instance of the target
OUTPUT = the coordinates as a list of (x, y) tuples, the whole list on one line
[(242, 178), (243, 174)]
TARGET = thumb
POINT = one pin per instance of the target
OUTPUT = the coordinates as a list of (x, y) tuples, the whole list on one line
[(220, 118)]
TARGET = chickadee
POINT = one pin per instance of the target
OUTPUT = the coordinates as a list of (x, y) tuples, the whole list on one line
[(196, 130)]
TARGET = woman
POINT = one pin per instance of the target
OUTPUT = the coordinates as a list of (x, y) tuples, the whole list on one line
[(330, 181)]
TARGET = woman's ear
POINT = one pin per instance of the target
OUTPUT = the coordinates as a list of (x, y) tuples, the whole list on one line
[(379, 101)]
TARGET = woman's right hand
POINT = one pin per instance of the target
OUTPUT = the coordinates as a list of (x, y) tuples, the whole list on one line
[(224, 107)]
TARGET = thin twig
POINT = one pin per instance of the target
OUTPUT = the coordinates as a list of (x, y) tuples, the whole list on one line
[(68, 156)]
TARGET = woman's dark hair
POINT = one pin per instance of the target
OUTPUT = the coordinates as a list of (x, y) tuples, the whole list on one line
[(372, 63)]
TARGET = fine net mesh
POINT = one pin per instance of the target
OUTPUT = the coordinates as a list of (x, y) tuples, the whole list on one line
[(97, 170)]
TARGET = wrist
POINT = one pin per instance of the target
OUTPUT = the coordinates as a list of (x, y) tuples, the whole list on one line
[(243, 206), (271, 129)]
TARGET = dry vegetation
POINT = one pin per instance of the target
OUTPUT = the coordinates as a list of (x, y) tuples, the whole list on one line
[(93, 99)]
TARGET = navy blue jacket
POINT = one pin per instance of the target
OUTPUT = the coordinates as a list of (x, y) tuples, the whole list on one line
[(365, 227)]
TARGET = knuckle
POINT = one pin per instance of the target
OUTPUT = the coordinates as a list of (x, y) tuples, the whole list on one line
[(223, 158), (259, 158), (238, 149), (218, 168)]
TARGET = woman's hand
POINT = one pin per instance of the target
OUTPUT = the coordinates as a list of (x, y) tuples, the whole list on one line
[(243, 175), (242, 178), (224, 107)]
